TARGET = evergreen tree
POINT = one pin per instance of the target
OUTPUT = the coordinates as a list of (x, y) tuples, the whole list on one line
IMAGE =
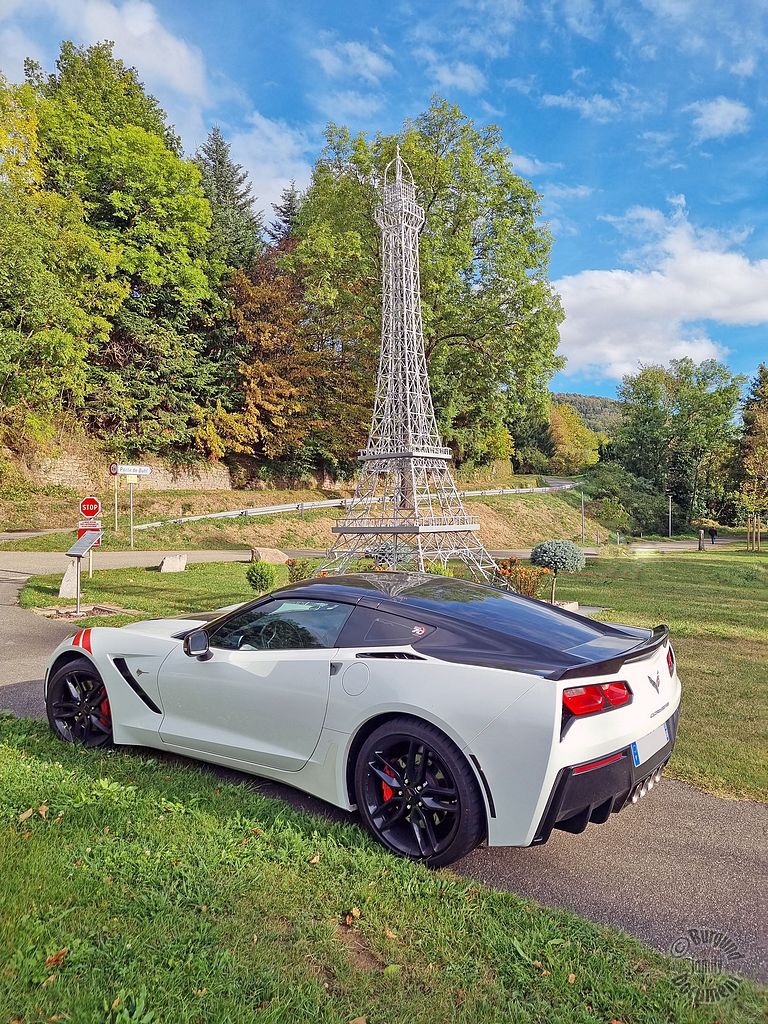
[(287, 212), (236, 228)]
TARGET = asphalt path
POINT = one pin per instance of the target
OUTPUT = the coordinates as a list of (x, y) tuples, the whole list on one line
[(678, 860)]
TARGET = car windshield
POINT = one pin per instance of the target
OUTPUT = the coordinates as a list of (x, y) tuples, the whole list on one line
[(504, 612)]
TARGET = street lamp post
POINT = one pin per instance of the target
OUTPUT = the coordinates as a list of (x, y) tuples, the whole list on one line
[(669, 531)]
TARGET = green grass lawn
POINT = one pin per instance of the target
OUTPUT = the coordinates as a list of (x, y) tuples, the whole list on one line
[(202, 587), (716, 605), (138, 890)]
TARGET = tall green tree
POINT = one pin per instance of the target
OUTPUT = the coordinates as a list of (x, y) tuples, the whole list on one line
[(105, 143), (286, 215), (574, 445), (58, 290), (236, 226), (679, 430), (754, 446), (490, 315)]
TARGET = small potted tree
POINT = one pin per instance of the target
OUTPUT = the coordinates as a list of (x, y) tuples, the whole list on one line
[(558, 556)]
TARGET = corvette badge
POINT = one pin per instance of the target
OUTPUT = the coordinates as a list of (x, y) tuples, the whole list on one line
[(655, 683)]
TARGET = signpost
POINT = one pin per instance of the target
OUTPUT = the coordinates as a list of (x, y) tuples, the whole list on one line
[(85, 528), (132, 474), (82, 546), (90, 507)]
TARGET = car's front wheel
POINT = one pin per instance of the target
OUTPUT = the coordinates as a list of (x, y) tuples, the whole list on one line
[(78, 706), (417, 794)]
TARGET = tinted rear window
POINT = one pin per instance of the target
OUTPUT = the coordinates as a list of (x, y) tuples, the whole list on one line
[(506, 613)]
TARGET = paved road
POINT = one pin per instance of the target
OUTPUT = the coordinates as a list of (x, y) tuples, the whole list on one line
[(680, 859)]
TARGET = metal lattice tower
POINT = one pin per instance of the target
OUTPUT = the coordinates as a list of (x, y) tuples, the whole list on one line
[(406, 512)]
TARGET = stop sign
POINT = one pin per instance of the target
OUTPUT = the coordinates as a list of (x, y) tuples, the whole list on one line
[(90, 507)]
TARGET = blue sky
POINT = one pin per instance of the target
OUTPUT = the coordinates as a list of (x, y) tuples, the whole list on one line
[(640, 122)]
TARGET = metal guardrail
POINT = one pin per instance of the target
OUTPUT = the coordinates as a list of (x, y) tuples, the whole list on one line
[(268, 510)]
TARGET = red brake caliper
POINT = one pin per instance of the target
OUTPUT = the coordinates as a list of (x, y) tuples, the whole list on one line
[(106, 714), (386, 791)]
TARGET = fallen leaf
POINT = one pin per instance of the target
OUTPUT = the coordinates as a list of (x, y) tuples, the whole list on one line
[(200, 991), (536, 963), (79, 862), (390, 934), (42, 810), (545, 974), (315, 859), (49, 980), (392, 969), (25, 836), (116, 1003), (359, 1020), (57, 1017), (106, 829), (57, 958), (351, 916), (26, 814), (59, 819), (571, 979)]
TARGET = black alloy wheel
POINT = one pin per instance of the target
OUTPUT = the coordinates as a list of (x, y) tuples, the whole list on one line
[(78, 706), (417, 794)]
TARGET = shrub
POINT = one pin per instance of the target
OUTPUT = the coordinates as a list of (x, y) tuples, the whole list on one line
[(558, 556), (261, 576), (438, 569), (526, 580), (300, 569)]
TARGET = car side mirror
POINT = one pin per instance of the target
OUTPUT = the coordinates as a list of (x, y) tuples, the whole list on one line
[(196, 644)]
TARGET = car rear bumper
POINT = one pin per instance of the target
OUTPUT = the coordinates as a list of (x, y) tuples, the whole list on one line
[(582, 796)]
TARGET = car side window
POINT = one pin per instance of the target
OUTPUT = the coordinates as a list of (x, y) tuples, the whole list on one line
[(286, 624)]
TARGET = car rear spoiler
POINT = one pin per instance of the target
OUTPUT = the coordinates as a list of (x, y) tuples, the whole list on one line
[(639, 652)]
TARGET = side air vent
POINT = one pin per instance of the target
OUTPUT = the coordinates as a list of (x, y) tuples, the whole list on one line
[(125, 672), (391, 655)]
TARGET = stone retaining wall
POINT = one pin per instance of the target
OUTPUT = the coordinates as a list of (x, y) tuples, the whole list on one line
[(81, 473)]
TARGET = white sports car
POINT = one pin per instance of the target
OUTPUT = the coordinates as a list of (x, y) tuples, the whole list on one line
[(446, 712)]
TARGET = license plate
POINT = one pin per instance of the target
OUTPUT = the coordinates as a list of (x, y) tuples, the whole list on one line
[(650, 744)]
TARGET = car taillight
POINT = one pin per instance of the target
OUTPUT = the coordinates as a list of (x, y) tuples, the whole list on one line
[(671, 660), (586, 700)]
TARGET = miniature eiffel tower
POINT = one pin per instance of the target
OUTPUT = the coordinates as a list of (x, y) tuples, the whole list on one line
[(406, 512)]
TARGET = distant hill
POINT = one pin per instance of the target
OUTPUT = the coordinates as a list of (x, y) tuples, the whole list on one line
[(597, 412)]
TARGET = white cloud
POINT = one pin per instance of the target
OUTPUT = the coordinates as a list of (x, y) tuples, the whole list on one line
[(653, 313), (593, 108), (15, 45), (458, 75), (353, 59), (720, 118), (139, 35), (461, 75), (273, 153), (348, 104), (625, 100), (744, 68), (568, 191), (531, 165)]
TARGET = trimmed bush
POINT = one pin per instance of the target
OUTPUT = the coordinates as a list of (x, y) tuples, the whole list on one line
[(558, 556), (261, 576)]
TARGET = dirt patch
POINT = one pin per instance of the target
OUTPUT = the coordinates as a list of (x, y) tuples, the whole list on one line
[(66, 613), (360, 954)]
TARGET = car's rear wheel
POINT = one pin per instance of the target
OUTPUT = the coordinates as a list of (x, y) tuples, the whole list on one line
[(78, 706), (417, 794)]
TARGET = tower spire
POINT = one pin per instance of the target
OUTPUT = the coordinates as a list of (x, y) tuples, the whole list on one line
[(406, 512)]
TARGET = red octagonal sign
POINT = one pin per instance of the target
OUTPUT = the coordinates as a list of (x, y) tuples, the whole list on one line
[(90, 507)]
